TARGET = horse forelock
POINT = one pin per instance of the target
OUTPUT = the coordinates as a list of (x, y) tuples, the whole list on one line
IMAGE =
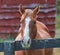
[(28, 13)]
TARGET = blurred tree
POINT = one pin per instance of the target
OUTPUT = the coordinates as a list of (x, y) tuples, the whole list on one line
[(58, 6)]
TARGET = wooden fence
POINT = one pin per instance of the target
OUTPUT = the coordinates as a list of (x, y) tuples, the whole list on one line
[(10, 16), (9, 47)]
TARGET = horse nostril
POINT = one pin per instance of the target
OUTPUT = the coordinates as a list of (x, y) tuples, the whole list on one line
[(22, 41), (29, 41)]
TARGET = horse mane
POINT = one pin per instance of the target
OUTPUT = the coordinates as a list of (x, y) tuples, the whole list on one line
[(43, 26)]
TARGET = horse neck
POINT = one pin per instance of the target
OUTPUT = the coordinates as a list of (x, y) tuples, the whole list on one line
[(42, 31)]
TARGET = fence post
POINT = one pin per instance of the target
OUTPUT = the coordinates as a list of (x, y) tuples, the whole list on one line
[(9, 48)]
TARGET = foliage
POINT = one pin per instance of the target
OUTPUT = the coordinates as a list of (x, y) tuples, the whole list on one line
[(58, 6), (8, 38), (58, 21)]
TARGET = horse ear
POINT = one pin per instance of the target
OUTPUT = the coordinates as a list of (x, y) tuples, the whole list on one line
[(36, 10), (21, 9)]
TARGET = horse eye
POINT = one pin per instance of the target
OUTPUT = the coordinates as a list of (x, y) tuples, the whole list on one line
[(34, 22)]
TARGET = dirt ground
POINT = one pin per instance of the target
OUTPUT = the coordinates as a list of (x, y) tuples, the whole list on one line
[(57, 50)]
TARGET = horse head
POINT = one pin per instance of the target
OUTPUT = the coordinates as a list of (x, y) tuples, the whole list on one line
[(28, 24)]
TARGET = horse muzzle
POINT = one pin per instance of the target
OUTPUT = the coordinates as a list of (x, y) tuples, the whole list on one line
[(26, 44)]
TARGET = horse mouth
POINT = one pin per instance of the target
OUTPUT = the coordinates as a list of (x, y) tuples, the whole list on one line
[(26, 46)]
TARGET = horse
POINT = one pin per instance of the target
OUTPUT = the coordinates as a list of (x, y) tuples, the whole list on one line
[(31, 29)]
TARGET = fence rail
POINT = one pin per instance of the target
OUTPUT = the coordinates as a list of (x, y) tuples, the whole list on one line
[(9, 47)]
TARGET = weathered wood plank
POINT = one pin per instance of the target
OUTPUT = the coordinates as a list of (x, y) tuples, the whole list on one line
[(36, 44), (31, 6), (40, 44), (9, 48), (1, 46), (41, 10)]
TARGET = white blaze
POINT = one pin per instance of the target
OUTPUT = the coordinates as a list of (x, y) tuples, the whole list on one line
[(26, 30)]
